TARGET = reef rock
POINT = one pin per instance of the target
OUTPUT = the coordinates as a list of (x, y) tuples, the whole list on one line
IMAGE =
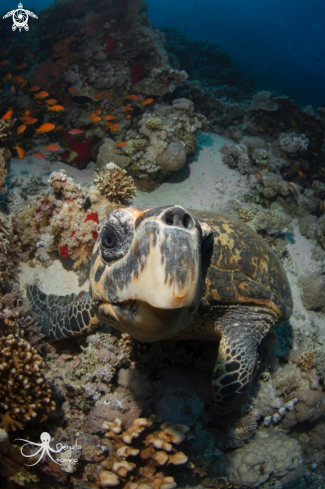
[(271, 454), (293, 145), (173, 159), (313, 291), (263, 101), (183, 104), (108, 152)]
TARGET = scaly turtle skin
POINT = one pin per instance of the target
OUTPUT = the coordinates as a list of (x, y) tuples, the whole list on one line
[(160, 273)]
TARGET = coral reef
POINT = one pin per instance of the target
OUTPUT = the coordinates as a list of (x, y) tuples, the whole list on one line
[(58, 222), (115, 184), (173, 158), (24, 393)]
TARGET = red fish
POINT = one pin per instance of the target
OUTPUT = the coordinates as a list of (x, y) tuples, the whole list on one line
[(132, 97), (35, 88), (21, 66), (126, 108), (114, 128), (7, 77), (72, 90), (4, 62), (120, 145)]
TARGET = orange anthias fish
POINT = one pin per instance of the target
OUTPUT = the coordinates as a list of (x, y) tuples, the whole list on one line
[(42, 95), (127, 116), (29, 120), (20, 151), (75, 131), (35, 88), (7, 116), (4, 62), (21, 66), (45, 127), (72, 90), (126, 108), (21, 129), (120, 145), (315, 154), (51, 101), (132, 97), (56, 108), (7, 77), (23, 83), (114, 128), (52, 147), (301, 173), (95, 118), (39, 155), (18, 79), (100, 95), (58, 128), (4, 51), (109, 117), (30, 55), (148, 101)]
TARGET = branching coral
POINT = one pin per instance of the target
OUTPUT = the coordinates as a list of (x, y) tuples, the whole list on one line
[(150, 453), (113, 182), (24, 394)]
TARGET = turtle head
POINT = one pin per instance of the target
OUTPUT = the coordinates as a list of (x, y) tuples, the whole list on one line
[(148, 270)]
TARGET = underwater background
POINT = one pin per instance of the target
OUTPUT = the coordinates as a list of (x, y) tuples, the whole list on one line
[(212, 115)]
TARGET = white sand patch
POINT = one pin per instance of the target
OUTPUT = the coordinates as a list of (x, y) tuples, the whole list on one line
[(56, 279), (205, 183)]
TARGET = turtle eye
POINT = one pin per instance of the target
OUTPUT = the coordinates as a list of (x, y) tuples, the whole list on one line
[(109, 239)]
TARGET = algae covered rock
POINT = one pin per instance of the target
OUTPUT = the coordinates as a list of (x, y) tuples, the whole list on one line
[(173, 159)]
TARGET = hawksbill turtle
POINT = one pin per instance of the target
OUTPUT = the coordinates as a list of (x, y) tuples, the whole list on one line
[(167, 273)]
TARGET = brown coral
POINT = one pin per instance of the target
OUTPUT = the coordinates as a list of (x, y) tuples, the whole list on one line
[(24, 394), (4, 130), (141, 144), (5, 156), (113, 182), (154, 124)]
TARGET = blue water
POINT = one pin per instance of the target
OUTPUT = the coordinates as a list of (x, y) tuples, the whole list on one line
[(281, 43)]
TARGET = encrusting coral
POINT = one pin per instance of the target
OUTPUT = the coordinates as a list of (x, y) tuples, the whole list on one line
[(24, 394), (114, 183)]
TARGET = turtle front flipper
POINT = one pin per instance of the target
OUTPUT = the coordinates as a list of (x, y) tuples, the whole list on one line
[(62, 316), (242, 329)]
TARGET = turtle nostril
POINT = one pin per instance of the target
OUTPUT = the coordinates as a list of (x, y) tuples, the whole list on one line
[(186, 220), (177, 216), (169, 218)]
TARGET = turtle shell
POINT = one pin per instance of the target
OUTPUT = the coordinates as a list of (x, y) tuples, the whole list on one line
[(244, 269)]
